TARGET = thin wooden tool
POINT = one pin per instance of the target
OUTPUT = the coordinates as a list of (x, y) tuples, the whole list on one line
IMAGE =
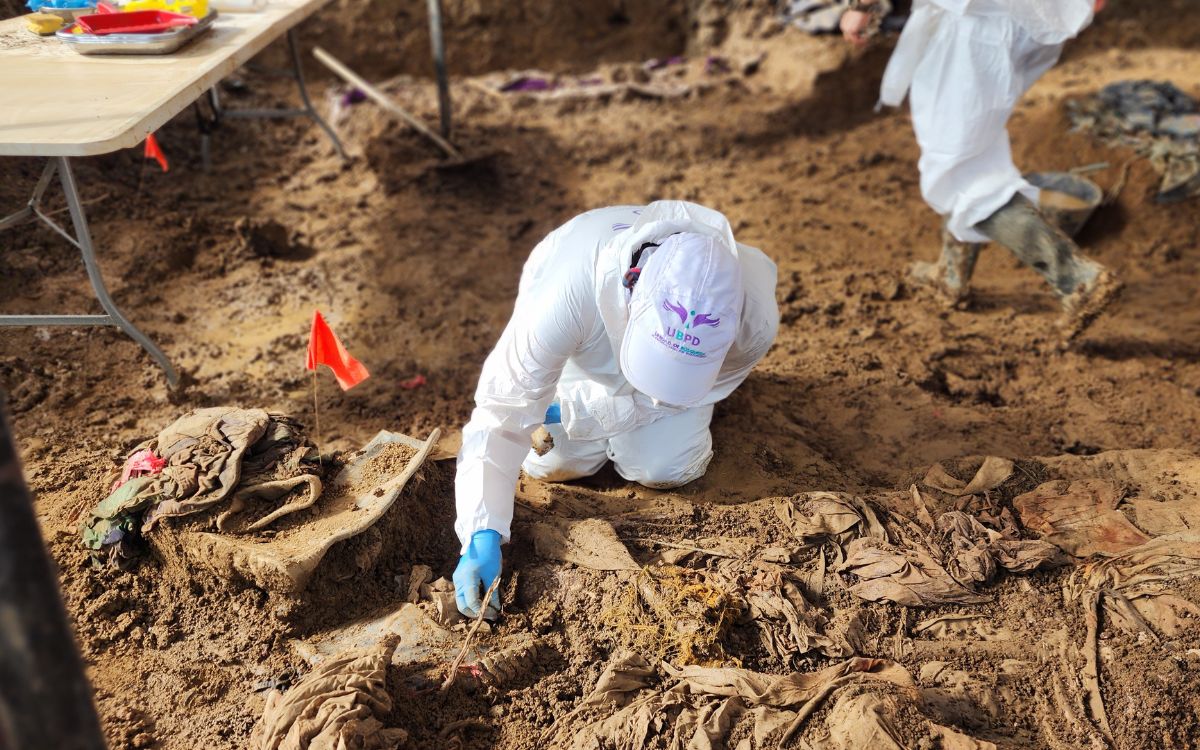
[(382, 99), (316, 420), (470, 636)]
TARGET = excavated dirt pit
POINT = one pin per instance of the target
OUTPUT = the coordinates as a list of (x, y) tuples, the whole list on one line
[(416, 266)]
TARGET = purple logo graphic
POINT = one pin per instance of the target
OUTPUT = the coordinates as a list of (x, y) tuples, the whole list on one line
[(689, 318), (684, 339)]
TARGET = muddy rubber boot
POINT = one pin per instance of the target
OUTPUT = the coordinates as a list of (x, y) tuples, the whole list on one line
[(950, 276), (1084, 287)]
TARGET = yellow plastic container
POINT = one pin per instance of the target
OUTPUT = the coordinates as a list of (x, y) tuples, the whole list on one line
[(43, 24), (197, 8)]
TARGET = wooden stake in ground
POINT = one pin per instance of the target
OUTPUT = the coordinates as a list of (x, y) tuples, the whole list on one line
[(470, 636), (382, 99), (316, 421)]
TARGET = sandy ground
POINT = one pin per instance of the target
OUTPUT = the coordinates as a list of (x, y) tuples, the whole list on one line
[(416, 266)]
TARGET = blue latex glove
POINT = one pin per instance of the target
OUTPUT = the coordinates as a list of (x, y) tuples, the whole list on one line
[(480, 565), (554, 413)]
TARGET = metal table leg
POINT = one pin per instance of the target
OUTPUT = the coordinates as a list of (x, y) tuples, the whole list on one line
[(27, 213), (83, 241), (439, 63), (294, 48), (309, 111)]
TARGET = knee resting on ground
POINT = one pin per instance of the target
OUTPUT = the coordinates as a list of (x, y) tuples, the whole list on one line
[(662, 475)]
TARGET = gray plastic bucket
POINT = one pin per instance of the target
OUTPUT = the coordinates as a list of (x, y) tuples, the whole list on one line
[(1070, 218)]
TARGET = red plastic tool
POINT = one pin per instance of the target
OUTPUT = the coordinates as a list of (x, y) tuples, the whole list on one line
[(133, 22)]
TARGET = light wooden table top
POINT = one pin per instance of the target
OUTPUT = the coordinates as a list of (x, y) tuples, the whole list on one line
[(56, 102)]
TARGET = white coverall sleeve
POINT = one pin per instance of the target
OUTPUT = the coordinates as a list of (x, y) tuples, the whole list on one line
[(515, 388), (590, 412)]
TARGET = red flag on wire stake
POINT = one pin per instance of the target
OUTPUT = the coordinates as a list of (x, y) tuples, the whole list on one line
[(153, 151), (324, 348)]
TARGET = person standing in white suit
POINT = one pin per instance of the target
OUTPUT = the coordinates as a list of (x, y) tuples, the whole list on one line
[(630, 323), (964, 64)]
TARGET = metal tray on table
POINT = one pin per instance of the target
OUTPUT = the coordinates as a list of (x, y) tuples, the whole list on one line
[(135, 44), (68, 14)]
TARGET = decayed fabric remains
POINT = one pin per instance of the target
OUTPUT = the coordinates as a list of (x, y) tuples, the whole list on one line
[(335, 707), (1134, 587), (905, 575), (214, 456), (678, 613), (758, 588), (958, 626), (1133, 571), (991, 474), (896, 560), (819, 516), (1081, 517), (788, 625), (203, 450), (1118, 585), (635, 705), (278, 463), (117, 516), (978, 551), (1163, 485)]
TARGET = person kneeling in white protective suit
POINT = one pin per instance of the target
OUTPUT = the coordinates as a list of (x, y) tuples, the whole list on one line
[(964, 64), (630, 323)]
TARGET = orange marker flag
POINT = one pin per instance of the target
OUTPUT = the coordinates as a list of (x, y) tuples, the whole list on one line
[(153, 151), (325, 349)]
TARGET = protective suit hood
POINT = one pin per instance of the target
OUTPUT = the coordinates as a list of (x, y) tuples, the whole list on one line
[(656, 222)]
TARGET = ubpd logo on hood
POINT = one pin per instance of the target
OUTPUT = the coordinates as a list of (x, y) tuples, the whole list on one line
[(682, 319), (690, 320)]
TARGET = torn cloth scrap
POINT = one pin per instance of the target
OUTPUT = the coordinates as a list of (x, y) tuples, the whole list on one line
[(337, 706), (700, 708), (788, 626), (895, 560), (139, 464), (1080, 517), (905, 575), (700, 705), (994, 472), (213, 456), (1132, 587), (818, 516), (978, 551)]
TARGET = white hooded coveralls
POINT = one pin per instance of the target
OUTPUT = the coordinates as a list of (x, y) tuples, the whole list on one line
[(964, 65), (570, 316)]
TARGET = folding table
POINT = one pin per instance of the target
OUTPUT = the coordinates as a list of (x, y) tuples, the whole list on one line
[(60, 104)]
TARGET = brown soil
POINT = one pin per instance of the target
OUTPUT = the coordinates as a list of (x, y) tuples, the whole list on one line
[(416, 264)]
